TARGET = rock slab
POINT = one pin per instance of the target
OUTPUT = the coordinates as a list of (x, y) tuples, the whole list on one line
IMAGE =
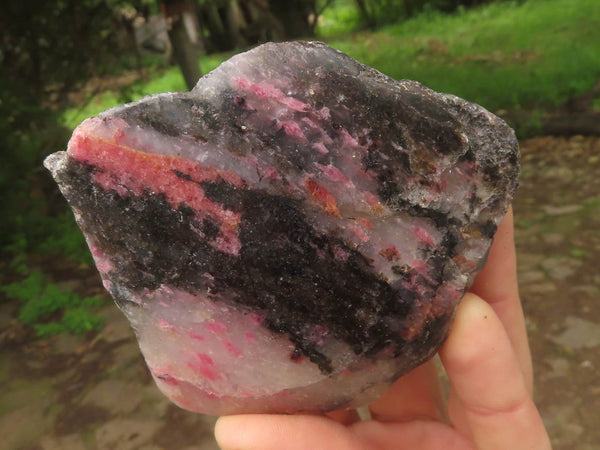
[(293, 234)]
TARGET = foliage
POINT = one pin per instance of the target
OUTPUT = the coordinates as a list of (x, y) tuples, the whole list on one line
[(46, 50), (340, 18), (62, 237), (52, 45), (24, 143), (505, 56), (352, 15), (17, 248), (33, 231), (51, 310)]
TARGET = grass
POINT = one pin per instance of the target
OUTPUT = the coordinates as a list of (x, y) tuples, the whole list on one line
[(341, 18), (506, 55)]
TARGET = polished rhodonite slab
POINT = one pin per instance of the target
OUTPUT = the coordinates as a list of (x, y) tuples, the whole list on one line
[(294, 233)]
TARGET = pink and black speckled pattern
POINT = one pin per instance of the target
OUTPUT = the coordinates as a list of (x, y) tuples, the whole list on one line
[(295, 232)]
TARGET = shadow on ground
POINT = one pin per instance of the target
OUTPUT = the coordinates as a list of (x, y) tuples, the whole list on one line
[(73, 393)]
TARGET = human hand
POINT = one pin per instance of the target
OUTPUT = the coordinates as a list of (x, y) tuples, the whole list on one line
[(488, 362)]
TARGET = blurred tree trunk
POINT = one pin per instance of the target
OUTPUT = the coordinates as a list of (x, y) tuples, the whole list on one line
[(296, 16), (223, 22), (412, 7), (262, 24), (185, 37), (212, 19), (236, 24), (367, 16)]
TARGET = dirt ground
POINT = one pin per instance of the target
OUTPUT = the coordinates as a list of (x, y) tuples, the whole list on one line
[(95, 392), (557, 212)]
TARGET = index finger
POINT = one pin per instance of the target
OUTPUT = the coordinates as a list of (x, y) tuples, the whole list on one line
[(497, 284), (490, 392)]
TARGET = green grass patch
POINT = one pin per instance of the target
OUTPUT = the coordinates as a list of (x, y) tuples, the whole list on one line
[(46, 235), (51, 310), (506, 55), (592, 204), (524, 224), (340, 18), (577, 253), (62, 237)]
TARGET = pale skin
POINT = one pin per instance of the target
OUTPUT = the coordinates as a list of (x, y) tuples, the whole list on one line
[(488, 363)]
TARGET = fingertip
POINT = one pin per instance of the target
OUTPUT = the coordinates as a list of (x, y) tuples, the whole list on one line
[(276, 431), (248, 431), (477, 337), (243, 431), (490, 390), (471, 311), (472, 306), (224, 432)]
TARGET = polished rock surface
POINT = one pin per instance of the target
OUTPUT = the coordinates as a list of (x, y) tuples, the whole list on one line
[(294, 233)]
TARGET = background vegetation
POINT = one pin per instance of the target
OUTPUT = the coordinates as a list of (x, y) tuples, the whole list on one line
[(65, 60)]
